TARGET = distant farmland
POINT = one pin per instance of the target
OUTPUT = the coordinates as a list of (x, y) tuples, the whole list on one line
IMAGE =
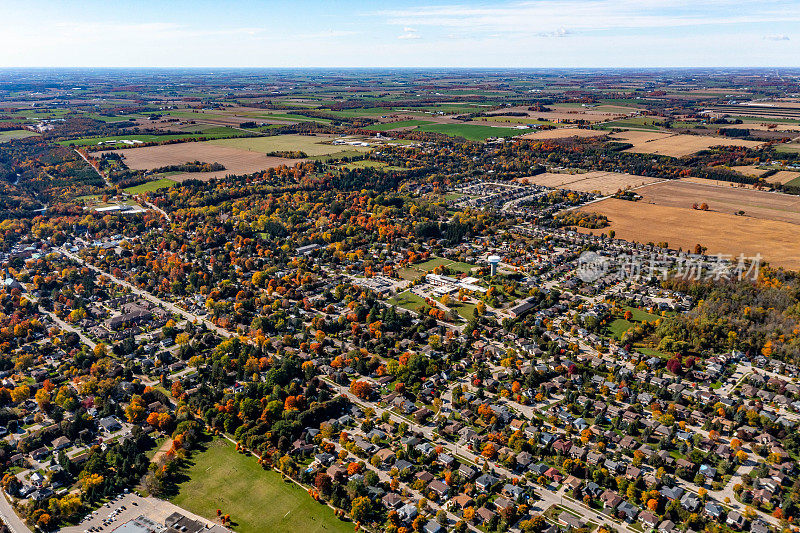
[(470, 132), (236, 161), (724, 199), (6, 136), (605, 182), (388, 126), (720, 232), (216, 133), (676, 145), (562, 133), (312, 145)]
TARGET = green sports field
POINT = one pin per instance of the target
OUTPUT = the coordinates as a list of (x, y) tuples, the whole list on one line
[(408, 300), (257, 500)]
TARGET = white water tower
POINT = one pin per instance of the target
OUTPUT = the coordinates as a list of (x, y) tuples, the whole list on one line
[(493, 261)]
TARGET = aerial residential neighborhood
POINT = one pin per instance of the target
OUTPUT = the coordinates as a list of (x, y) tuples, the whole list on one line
[(348, 266)]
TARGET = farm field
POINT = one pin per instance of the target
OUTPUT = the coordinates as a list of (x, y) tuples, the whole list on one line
[(718, 183), (635, 123), (749, 170), (724, 199), (154, 185), (470, 132), (388, 126), (675, 145), (792, 148), (605, 182), (720, 232), (562, 133), (235, 160), (6, 136), (146, 138), (312, 145), (783, 177), (564, 112), (221, 478)]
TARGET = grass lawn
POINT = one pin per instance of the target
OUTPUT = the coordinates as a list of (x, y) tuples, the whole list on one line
[(154, 185), (465, 309), (400, 124), (470, 132), (411, 274), (618, 326), (641, 316), (458, 266), (257, 500), (453, 196), (430, 264), (434, 262), (9, 135), (407, 300), (650, 352)]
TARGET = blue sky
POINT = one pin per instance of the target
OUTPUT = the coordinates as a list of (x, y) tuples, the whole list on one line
[(333, 33)]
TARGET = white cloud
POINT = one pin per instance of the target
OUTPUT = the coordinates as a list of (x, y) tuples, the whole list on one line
[(523, 16), (560, 32), (776, 37), (409, 33)]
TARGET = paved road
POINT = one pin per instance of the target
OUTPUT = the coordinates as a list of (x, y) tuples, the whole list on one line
[(105, 179), (148, 296), (158, 209), (67, 327), (9, 516), (547, 497)]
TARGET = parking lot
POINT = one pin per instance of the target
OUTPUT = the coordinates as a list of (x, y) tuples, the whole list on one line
[(125, 508)]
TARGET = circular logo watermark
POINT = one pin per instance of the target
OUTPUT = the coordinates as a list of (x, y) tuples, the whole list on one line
[(591, 266)]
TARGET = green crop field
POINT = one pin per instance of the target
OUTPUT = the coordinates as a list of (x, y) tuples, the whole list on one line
[(470, 132), (312, 145), (222, 133), (154, 185), (289, 117), (634, 123), (9, 135), (107, 118), (791, 148), (400, 124), (257, 500)]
